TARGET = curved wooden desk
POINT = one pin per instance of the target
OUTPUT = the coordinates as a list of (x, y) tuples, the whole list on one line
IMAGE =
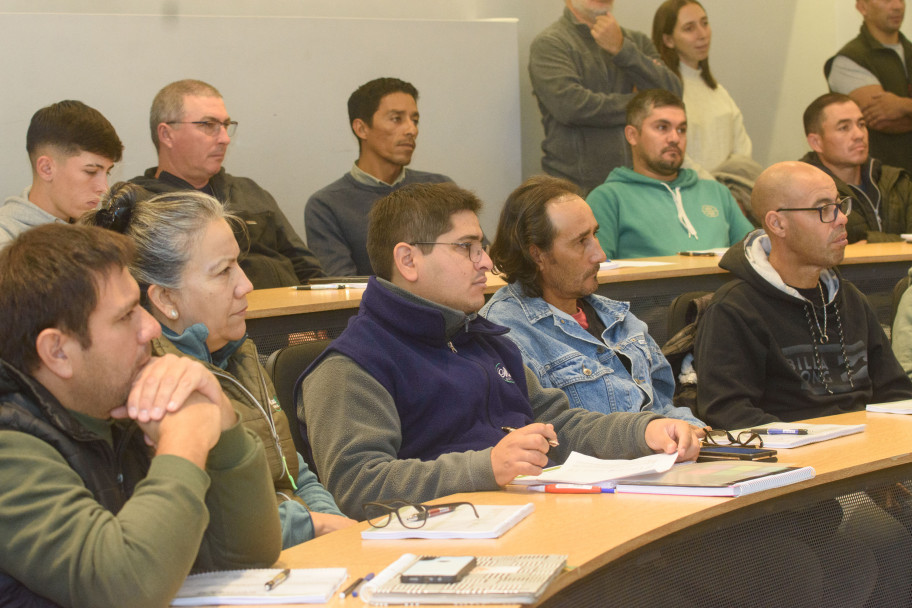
[(275, 314), (604, 534)]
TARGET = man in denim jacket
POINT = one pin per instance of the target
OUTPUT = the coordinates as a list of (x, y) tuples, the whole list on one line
[(589, 346)]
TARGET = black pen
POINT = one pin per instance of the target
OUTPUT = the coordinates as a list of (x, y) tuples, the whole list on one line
[(330, 286), (278, 579), (708, 254), (509, 429), (351, 587)]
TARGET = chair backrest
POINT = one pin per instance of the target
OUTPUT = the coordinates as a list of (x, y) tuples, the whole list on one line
[(284, 366), (898, 290), (680, 313)]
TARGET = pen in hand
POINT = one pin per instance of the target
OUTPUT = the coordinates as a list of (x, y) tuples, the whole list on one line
[(509, 429), (278, 579)]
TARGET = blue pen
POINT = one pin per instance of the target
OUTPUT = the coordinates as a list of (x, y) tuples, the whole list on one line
[(780, 431), (367, 577)]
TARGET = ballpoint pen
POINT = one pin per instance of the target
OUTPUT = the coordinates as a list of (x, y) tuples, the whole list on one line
[(330, 286), (367, 577), (278, 579), (351, 588), (509, 429), (779, 431)]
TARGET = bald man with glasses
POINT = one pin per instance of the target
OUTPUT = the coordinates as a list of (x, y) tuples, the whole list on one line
[(789, 339), (191, 130)]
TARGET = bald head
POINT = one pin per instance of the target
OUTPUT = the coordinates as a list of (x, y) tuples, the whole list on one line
[(784, 185)]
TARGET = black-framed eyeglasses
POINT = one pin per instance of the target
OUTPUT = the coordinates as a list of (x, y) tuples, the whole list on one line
[(209, 127), (410, 515), (474, 249), (722, 437), (116, 217), (829, 212)]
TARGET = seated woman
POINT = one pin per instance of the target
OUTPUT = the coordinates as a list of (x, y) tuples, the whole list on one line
[(716, 139), (187, 268)]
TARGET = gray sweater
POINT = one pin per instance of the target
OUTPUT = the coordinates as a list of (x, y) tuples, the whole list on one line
[(18, 214), (582, 93)]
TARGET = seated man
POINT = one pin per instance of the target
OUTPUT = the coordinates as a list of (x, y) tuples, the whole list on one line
[(658, 208), (788, 339), (71, 148), (592, 348), (191, 130), (881, 195), (92, 515), (383, 115), (412, 401)]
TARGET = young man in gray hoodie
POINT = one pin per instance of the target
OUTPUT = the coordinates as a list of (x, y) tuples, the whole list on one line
[(72, 148)]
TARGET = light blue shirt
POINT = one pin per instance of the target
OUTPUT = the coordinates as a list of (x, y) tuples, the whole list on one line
[(564, 355)]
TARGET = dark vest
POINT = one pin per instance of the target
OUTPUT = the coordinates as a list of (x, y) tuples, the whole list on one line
[(110, 474), (890, 148), (451, 395)]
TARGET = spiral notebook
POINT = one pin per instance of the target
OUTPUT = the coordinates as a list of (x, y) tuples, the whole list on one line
[(495, 579), (720, 478), (248, 587)]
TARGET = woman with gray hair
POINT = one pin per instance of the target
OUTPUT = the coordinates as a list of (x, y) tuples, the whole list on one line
[(187, 268)]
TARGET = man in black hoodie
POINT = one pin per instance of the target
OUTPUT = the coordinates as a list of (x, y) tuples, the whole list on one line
[(788, 339)]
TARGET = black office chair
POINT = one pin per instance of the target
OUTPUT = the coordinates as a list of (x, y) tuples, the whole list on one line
[(682, 311), (284, 366), (898, 290)]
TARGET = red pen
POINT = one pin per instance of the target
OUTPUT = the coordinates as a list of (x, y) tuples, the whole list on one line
[(571, 488)]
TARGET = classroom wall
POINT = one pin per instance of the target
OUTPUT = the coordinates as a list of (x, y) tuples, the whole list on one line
[(768, 54)]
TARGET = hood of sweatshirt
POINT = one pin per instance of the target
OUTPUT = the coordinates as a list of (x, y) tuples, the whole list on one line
[(749, 261)]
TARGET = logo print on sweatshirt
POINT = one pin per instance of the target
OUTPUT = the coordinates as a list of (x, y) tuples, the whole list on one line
[(709, 211), (503, 373)]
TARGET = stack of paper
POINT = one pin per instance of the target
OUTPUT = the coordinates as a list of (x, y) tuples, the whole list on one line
[(815, 433), (492, 522), (588, 470), (893, 407), (496, 579), (248, 587)]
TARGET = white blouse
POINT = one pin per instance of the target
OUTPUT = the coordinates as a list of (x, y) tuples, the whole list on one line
[(715, 127)]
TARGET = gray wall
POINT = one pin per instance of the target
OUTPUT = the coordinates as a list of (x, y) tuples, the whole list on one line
[(287, 80)]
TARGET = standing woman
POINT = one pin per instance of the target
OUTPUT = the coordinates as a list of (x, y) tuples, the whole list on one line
[(187, 268), (715, 127)]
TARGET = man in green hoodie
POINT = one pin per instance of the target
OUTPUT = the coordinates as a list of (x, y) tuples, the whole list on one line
[(657, 208)]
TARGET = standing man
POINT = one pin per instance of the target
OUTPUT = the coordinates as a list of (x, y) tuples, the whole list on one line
[(118, 472), (72, 149), (657, 208), (383, 115), (591, 347), (881, 194), (191, 130), (789, 339), (416, 399), (875, 69), (585, 68)]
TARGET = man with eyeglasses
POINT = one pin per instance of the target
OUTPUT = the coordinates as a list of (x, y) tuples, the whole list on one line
[(789, 339), (191, 130), (72, 149), (591, 347), (659, 208), (420, 397), (383, 115), (837, 132)]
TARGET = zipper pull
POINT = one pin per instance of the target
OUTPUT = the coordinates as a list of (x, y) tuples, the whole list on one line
[(452, 348)]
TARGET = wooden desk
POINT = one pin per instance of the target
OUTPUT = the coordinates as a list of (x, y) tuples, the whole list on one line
[(606, 535), (275, 314)]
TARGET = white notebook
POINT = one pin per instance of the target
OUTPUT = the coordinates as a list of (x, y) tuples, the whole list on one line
[(248, 587), (492, 522), (584, 470), (815, 433), (893, 407), (718, 478), (495, 579)]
